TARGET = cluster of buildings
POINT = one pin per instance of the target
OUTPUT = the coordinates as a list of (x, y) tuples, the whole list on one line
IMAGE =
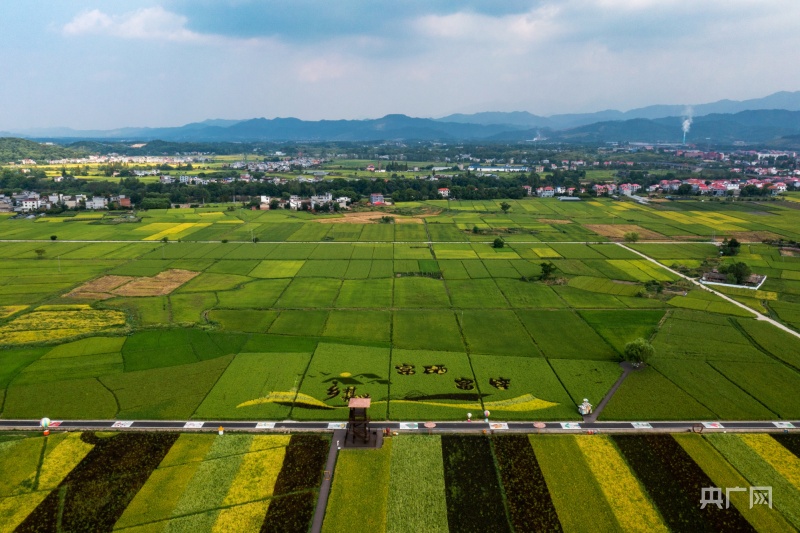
[(297, 203), (28, 202), (284, 165), (726, 187), (125, 159)]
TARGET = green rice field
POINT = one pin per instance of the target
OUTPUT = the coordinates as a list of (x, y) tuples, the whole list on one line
[(427, 319)]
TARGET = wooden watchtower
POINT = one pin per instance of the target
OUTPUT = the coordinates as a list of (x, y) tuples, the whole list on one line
[(358, 423)]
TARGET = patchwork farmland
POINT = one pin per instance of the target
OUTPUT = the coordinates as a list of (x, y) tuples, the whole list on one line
[(155, 482), (123, 321), (210, 314)]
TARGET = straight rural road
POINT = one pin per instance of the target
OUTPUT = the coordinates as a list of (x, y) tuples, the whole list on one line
[(412, 427)]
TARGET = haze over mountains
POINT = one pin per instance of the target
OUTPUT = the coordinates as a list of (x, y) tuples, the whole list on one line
[(761, 120)]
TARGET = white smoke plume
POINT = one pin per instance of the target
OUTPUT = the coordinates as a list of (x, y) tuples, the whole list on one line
[(687, 122)]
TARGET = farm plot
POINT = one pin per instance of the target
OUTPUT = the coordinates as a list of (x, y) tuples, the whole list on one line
[(310, 293), (496, 332), (773, 384), (427, 330), (420, 293), (564, 335), (433, 385), (338, 373), (368, 293), (647, 395), (586, 379), (621, 327), (261, 294), (359, 472), (476, 294), (59, 322), (366, 326), (256, 386), (521, 388), (713, 390)]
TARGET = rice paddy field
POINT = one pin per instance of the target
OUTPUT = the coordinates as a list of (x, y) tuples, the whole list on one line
[(428, 319), (160, 482)]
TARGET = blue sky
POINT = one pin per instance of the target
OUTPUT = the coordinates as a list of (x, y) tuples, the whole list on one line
[(105, 64)]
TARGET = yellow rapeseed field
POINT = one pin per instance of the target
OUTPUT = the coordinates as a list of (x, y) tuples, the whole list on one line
[(625, 495), (41, 326), (782, 460)]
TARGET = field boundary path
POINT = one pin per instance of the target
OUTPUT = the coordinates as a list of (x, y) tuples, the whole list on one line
[(627, 368), (405, 427), (339, 435), (758, 315)]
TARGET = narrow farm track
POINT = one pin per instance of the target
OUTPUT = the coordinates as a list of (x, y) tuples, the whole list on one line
[(758, 315)]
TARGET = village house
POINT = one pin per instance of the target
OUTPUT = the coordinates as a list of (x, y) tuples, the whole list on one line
[(97, 202), (376, 199), (444, 192)]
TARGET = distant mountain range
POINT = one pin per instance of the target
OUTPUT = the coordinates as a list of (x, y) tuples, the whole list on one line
[(763, 120)]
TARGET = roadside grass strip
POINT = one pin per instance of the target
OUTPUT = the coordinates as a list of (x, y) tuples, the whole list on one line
[(416, 497), (628, 500), (576, 494), (777, 456), (96, 492), (361, 476), (530, 505), (722, 474), (759, 473), (673, 481), (473, 492)]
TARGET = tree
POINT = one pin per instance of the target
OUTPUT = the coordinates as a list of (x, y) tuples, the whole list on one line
[(631, 236), (738, 272), (53, 237), (505, 206), (40, 253), (498, 243), (730, 247), (638, 351), (547, 270), (685, 189), (165, 239)]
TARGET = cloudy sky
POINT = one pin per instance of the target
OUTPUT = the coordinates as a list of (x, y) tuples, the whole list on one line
[(105, 64)]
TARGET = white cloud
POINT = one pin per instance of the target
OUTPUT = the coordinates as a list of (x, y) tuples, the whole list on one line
[(149, 23)]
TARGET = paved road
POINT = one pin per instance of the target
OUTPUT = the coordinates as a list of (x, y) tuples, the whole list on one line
[(413, 427)]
